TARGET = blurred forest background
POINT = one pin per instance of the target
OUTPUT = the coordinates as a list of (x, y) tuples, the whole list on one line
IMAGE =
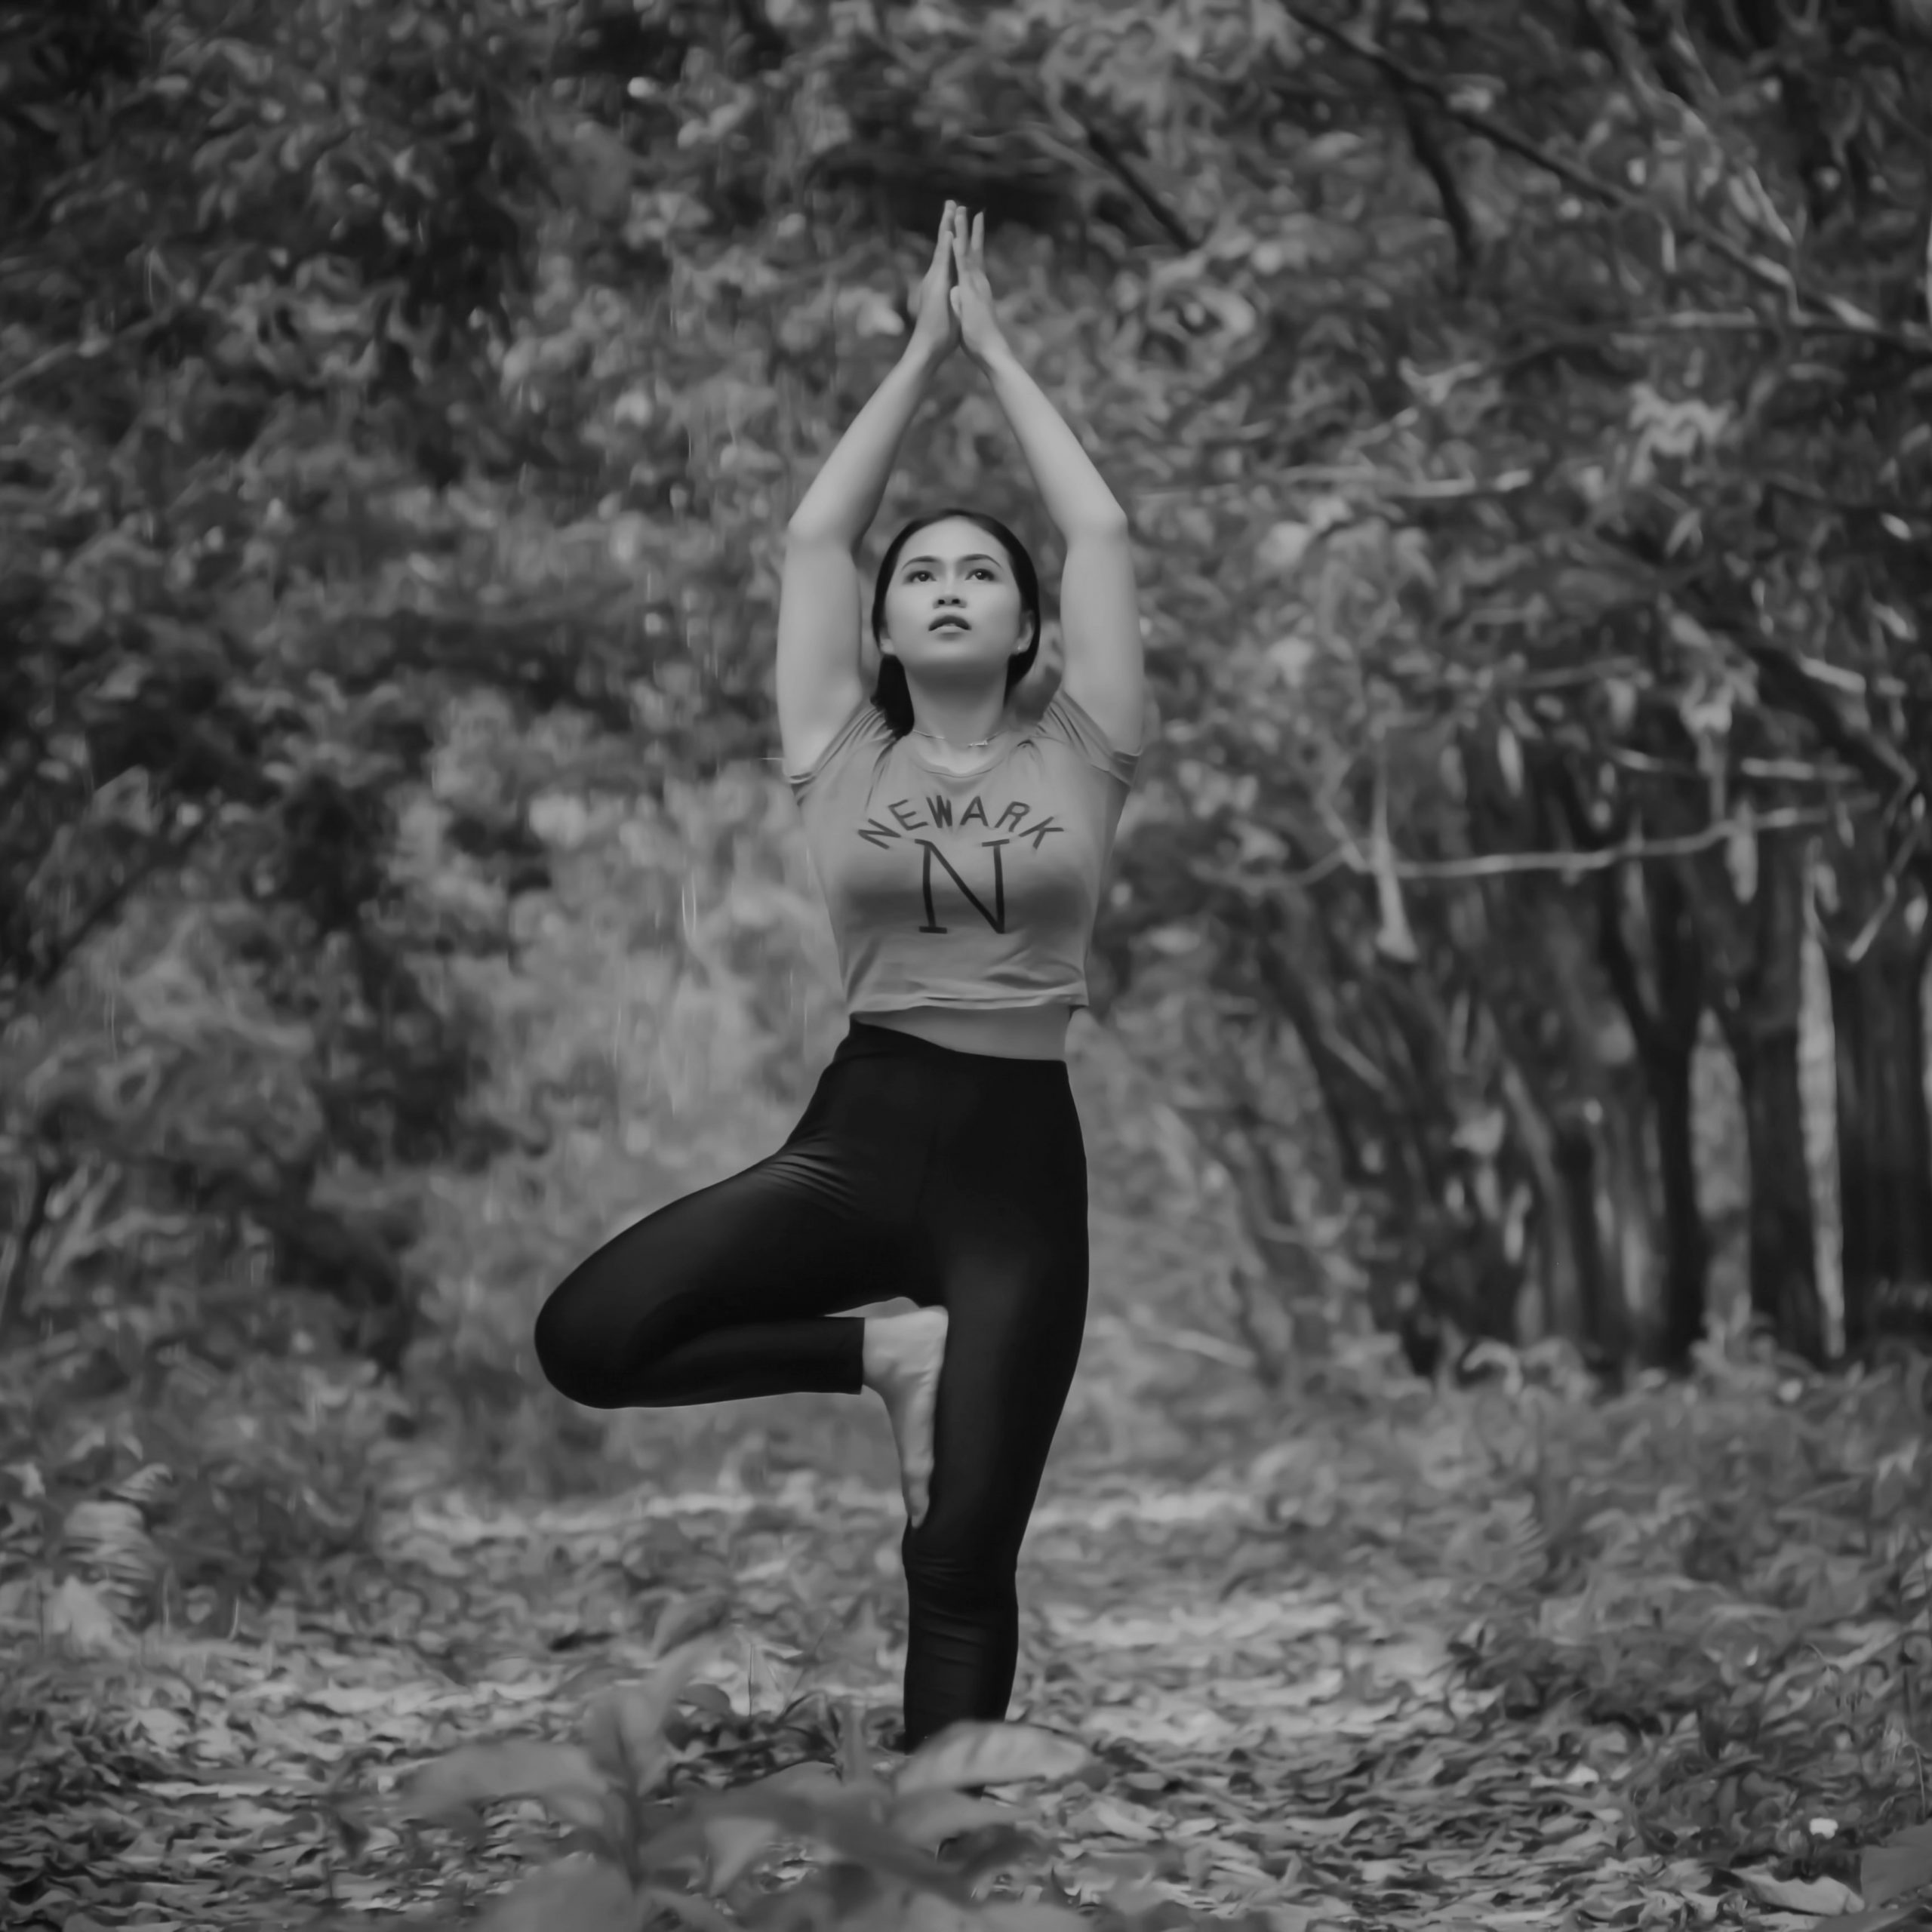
[(1514, 972), (1518, 935)]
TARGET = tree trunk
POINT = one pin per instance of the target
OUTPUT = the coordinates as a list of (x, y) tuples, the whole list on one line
[(1280, 1303), (1669, 1048), (1884, 1166), (1687, 1247), (1595, 1317), (1383, 1060), (1759, 1013), (1626, 1145), (1660, 987), (1559, 1275), (1784, 1281)]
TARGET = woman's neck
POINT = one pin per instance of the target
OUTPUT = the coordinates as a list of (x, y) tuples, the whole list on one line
[(961, 720)]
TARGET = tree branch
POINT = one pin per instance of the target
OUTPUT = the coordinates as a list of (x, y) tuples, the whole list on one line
[(1429, 151), (1496, 864), (1118, 164), (1767, 274), (87, 349), (1811, 699), (163, 854), (1797, 771)]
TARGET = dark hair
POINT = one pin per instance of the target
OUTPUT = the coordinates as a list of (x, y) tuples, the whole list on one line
[(889, 692)]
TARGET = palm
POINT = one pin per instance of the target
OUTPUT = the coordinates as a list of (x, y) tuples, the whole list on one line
[(972, 293), (937, 324)]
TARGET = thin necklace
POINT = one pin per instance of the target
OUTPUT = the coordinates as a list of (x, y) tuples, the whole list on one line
[(978, 744)]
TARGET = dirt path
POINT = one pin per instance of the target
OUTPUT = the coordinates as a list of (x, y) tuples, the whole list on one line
[(1269, 1654)]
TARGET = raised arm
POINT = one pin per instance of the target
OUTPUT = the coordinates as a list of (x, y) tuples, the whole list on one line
[(1100, 613), (821, 600)]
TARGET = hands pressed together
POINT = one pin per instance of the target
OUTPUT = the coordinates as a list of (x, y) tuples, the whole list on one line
[(955, 310), (956, 299)]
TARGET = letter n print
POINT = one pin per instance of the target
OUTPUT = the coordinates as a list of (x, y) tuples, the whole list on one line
[(996, 918)]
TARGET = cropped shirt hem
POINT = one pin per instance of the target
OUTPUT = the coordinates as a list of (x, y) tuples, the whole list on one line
[(1072, 997)]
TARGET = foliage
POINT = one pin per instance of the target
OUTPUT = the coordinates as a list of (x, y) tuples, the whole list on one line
[(1429, 1653), (186, 1464), (1524, 418), (188, 705), (658, 1024), (1496, 629), (878, 1834), (1531, 544)]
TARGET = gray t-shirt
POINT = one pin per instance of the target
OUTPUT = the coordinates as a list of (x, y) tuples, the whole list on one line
[(977, 890)]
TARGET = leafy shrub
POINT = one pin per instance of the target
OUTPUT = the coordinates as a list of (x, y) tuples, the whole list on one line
[(179, 1465), (915, 1850)]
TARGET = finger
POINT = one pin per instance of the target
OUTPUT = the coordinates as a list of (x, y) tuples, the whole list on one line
[(945, 231)]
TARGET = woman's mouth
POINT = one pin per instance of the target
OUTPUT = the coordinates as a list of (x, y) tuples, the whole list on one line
[(948, 622)]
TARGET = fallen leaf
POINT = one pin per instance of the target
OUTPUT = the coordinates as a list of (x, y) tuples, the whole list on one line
[(1320, 1829), (967, 1753), (928, 1818), (1109, 1816), (1824, 1896), (1900, 1865), (734, 1842), (581, 1894), (76, 1615), (563, 1777)]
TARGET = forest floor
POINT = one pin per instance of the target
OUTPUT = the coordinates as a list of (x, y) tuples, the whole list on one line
[(1492, 1657)]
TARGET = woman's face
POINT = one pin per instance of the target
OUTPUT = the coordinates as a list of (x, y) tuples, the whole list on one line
[(952, 609)]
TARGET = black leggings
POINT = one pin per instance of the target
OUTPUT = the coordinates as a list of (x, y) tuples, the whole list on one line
[(957, 1180)]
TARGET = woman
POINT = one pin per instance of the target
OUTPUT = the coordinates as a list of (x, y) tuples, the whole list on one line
[(940, 1159)]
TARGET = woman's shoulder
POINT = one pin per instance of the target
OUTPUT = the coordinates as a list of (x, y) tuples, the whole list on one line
[(1065, 720), (866, 727)]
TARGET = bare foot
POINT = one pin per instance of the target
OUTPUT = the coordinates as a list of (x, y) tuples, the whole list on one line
[(902, 1356)]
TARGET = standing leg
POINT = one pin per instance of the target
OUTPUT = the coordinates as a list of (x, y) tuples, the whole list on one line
[(1007, 1215)]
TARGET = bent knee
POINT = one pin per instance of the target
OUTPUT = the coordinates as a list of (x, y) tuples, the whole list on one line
[(574, 1365)]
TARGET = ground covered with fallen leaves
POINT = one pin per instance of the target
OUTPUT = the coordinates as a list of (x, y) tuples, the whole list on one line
[(1360, 1652)]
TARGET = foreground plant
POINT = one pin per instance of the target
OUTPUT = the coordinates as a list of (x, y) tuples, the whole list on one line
[(634, 1860)]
